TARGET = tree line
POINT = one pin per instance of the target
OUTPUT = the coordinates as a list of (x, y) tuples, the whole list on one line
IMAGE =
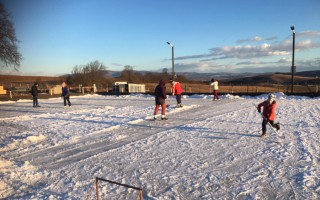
[(96, 73)]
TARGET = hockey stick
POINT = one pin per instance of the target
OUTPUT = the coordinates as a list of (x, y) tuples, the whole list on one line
[(273, 129)]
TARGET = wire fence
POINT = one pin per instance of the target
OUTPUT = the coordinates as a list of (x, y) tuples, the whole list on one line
[(267, 88)]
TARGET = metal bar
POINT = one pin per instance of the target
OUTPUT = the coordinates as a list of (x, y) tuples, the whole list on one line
[(97, 189), (129, 186), (173, 63), (292, 68)]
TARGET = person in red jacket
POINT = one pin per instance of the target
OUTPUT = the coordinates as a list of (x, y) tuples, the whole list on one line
[(176, 90), (160, 97), (269, 113)]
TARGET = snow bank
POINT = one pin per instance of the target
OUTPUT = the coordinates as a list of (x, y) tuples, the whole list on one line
[(29, 140)]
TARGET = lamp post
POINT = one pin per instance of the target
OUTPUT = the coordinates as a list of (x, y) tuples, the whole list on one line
[(293, 68), (172, 47)]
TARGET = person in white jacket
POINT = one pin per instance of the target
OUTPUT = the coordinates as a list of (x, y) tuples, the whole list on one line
[(215, 87)]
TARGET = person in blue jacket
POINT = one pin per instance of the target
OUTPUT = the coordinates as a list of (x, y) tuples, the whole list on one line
[(34, 93), (65, 94)]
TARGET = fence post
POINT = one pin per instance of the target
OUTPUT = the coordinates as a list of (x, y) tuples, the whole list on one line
[(97, 190), (10, 95)]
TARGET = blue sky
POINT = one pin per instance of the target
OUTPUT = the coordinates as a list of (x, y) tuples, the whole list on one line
[(208, 35)]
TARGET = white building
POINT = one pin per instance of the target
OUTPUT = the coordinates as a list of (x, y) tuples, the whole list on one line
[(124, 87)]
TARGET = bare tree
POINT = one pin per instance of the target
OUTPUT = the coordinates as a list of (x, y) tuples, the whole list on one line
[(9, 55), (127, 73), (92, 73)]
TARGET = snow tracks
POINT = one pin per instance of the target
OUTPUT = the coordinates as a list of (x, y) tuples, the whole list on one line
[(82, 148)]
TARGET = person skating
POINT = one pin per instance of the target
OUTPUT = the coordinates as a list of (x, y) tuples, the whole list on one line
[(176, 90), (215, 87), (160, 97), (65, 95), (34, 93), (269, 113)]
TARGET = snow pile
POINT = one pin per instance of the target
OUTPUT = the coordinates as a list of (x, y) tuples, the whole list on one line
[(206, 150)]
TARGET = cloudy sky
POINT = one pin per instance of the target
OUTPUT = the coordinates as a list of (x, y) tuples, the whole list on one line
[(208, 35)]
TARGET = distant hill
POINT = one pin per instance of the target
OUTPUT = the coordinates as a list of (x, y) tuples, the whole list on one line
[(309, 77), (309, 73), (27, 79), (277, 78), (219, 76)]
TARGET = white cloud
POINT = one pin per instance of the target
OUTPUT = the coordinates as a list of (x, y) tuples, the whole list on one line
[(278, 53), (309, 33), (249, 51), (281, 65), (254, 39), (307, 44), (252, 55)]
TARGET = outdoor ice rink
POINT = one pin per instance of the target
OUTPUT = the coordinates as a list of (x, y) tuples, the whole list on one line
[(206, 150)]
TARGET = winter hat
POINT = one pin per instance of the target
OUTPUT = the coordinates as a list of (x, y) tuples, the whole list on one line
[(170, 80), (161, 82), (271, 96)]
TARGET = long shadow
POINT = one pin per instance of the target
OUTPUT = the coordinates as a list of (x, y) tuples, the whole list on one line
[(116, 99), (214, 138), (24, 111), (207, 130)]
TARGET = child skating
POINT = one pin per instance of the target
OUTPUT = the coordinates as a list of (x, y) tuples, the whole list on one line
[(269, 113)]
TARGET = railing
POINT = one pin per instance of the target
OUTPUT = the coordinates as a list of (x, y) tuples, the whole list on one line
[(116, 183)]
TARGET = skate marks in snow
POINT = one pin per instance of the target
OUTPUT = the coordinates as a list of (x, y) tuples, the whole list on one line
[(271, 190), (198, 154), (64, 154), (303, 131), (91, 145)]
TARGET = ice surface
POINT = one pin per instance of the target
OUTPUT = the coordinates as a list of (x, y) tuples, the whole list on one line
[(206, 150)]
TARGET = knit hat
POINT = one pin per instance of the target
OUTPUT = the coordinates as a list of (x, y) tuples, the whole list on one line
[(271, 96)]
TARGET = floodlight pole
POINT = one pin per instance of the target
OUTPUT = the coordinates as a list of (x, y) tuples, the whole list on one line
[(292, 67), (172, 47)]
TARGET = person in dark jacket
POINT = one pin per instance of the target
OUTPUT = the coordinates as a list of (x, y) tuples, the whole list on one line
[(65, 94), (34, 93), (160, 97)]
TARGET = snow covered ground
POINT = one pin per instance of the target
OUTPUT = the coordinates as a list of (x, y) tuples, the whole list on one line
[(206, 150)]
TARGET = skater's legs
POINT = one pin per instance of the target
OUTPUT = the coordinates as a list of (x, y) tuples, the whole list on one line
[(178, 97), (264, 126), (163, 109), (215, 94), (68, 100), (156, 109)]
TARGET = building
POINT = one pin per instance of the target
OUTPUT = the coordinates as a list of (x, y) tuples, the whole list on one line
[(2, 91), (124, 87)]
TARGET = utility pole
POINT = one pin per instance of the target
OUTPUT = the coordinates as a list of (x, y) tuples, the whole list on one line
[(293, 68)]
